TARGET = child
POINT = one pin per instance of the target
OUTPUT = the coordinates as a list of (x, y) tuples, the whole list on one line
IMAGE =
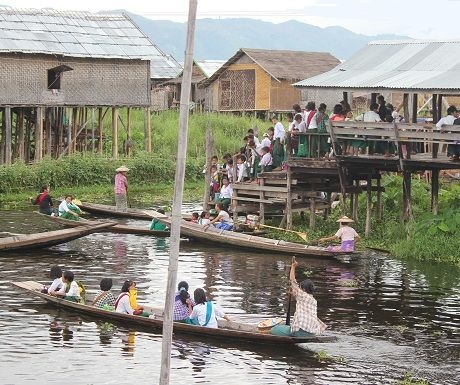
[(70, 289), (123, 304), (266, 163), (242, 169), (56, 276), (205, 313), (346, 233), (69, 210), (156, 225), (204, 218), (226, 193), (181, 301), (43, 201), (195, 218), (222, 220), (215, 185), (105, 298)]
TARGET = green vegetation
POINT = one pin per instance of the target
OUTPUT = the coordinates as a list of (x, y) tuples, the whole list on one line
[(410, 380), (89, 177)]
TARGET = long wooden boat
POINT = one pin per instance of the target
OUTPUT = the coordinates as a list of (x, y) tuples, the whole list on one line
[(118, 228), (108, 210), (248, 241), (228, 330), (49, 238)]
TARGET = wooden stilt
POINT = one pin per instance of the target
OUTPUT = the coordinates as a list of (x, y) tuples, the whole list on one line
[(147, 131), (21, 142), (48, 134), (367, 230), (93, 132), (262, 204), (312, 212), (115, 132), (434, 107), (289, 200), (129, 149), (207, 175), (38, 134), (379, 199), (100, 130), (407, 207), (435, 191), (27, 140), (8, 135)]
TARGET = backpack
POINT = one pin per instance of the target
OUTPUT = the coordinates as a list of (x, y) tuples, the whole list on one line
[(82, 291)]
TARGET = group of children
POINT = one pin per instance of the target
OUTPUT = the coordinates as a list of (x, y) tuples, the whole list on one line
[(67, 209)]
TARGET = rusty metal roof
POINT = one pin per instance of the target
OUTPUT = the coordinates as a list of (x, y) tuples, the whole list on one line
[(412, 65), (81, 34), (283, 64)]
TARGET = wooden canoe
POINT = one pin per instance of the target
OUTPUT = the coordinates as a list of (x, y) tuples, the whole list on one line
[(49, 238), (118, 228), (228, 330), (248, 241), (95, 208)]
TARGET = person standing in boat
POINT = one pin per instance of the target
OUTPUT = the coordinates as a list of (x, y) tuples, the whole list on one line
[(222, 220), (205, 313), (43, 201), (306, 321), (121, 189), (69, 210), (346, 234)]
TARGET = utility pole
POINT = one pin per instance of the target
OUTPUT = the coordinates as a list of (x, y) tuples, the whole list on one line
[(177, 200)]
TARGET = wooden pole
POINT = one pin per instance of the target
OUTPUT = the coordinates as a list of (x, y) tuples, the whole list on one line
[(38, 134), (434, 107), (312, 213), (147, 130), (379, 199), (100, 129), (407, 209), (21, 144), (435, 191), (8, 135), (345, 96), (262, 203), (289, 199), (207, 175), (367, 230), (93, 133), (48, 115), (129, 149), (177, 200), (115, 132)]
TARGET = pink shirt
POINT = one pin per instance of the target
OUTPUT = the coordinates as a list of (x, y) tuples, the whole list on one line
[(346, 233), (121, 183)]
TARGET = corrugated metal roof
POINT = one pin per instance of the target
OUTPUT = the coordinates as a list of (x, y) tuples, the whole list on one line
[(81, 34), (282, 64), (403, 65), (209, 67)]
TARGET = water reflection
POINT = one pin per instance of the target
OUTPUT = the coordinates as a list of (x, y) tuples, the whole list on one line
[(390, 317)]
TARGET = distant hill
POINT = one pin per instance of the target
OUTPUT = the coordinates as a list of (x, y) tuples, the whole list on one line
[(221, 38)]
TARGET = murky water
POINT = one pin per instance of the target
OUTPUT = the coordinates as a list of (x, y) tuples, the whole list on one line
[(390, 317)]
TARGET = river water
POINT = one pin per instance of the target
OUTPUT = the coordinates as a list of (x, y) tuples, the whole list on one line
[(391, 317)]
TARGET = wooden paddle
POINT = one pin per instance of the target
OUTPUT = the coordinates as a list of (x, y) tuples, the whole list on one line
[(302, 235)]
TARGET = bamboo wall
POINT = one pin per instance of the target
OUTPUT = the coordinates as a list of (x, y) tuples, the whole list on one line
[(283, 95)]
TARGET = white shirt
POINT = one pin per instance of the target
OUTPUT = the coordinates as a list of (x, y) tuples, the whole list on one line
[(266, 142), (63, 208), (74, 290), (291, 126), (242, 171), (56, 285), (204, 221), (225, 217), (346, 233), (123, 305), (302, 127), (199, 312), (266, 160), (226, 191), (371, 117), (447, 120), (279, 131), (313, 123)]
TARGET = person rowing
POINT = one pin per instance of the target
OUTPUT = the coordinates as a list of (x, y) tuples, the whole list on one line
[(346, 234), (306, 321), (222, 220)]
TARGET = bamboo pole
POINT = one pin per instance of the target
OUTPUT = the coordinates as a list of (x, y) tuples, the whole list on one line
[(128, 133), (367, 230), (39, 134), (177, 200), (8, 136), (21, 146), (289, 200), (207, 175), (435, 191), (114, 132), (100, 129), (148, 130)]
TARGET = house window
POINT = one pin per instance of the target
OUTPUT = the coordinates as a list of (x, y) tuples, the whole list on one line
[(55, 75)]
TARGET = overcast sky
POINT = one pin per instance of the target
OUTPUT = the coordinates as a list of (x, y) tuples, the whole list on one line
[(422, 19)]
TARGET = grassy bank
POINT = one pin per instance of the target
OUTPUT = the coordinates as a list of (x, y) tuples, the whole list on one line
[(90, 177)]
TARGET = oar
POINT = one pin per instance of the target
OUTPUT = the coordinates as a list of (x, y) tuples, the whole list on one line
[(302, 235), (288, 315)]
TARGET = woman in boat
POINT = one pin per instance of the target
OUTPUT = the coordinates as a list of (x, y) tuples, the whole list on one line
[(105, 298), (156, 225), (346, 234), (123, 303), (121, 189), (181, 301), (43, 201), (69, 210), (56, 277), (306, 321), (222, 220), (205, 313)]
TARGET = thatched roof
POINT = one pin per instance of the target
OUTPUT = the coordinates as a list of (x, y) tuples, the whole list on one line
[(283, 64)]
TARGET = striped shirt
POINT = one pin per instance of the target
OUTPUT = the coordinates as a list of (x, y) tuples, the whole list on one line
[(305, 316)]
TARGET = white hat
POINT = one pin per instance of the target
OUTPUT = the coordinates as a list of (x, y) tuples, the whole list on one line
[(266, 135), (122, 169), (345, 219)]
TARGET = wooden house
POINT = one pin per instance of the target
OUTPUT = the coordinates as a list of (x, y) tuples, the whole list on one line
[(260, 80), (60, 74)]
